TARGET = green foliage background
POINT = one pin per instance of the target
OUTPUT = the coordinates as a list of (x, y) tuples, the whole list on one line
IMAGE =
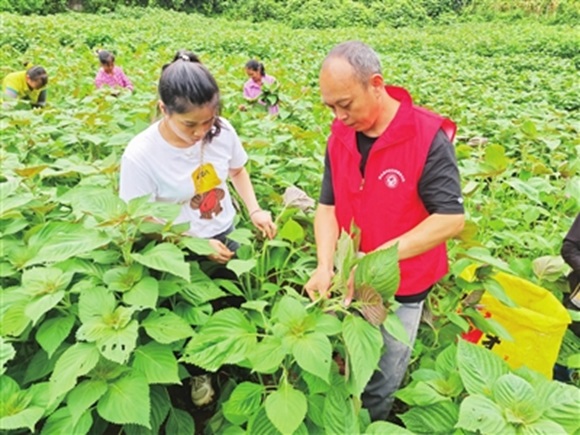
[(75, 271), (329, 13)]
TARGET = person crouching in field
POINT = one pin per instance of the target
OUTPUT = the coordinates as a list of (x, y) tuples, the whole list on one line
[(109, 74), (186, 159), (26, 85), (254, 88)]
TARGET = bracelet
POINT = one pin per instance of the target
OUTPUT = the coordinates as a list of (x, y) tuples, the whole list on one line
[(255, 211)]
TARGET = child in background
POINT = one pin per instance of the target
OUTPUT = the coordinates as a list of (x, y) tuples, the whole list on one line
[(109, 74), (26, 85), (253, 87)]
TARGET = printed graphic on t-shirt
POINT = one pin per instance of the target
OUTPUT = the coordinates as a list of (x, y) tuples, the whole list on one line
[(207, 194), (392, 178)]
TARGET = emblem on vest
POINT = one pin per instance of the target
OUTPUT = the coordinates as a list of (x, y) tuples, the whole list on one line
[(392, 177)]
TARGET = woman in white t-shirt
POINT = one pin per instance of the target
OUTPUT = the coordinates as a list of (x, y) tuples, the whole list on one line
[(187, 156)]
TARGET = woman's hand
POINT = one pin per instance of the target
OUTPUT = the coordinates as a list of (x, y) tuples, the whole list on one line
[(222, 254), (262, 219)]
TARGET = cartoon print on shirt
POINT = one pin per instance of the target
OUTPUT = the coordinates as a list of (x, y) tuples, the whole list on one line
[(207, 195), (208, 203)]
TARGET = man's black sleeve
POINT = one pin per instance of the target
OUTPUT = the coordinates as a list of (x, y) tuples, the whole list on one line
[(439, 185), (327, 191), (571, 246)]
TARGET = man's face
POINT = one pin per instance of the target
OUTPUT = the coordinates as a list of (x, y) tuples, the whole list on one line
[(353, 103)]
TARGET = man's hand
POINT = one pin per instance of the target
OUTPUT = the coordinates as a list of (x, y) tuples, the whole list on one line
[(349, 288), (319, 283), (222, 254)]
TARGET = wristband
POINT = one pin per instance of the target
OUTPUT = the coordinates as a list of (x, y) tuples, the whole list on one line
[(255, 211)]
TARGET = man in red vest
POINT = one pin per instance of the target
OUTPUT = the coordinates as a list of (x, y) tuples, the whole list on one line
[(390, 168)]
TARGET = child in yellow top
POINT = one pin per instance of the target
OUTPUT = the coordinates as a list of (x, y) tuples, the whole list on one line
[(26, 85)]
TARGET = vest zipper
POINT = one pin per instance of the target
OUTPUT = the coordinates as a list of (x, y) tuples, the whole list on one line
[(362, 184)]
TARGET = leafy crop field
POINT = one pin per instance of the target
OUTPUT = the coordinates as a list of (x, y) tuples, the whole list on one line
[(99, 323)]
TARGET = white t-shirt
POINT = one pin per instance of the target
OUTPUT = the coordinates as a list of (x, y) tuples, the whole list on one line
[(152, 166)]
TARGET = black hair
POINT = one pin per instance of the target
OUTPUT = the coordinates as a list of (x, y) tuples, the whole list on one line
[(184, 55), (105, 57), (38, 74), (254, 65), (186, 83)]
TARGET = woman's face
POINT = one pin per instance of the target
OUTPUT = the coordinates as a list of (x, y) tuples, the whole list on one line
[(192, 126), (254, 75), (33, 84), (108, 67)]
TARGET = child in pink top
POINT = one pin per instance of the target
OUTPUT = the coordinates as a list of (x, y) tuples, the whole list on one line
[(253, 87), (109, 74)]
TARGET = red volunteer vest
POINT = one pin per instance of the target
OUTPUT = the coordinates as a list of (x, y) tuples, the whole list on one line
[(386, 203)]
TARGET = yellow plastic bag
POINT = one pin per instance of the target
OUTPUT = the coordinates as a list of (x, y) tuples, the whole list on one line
[(537, 325)]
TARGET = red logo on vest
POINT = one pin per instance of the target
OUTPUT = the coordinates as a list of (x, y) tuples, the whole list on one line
[(392, 177)]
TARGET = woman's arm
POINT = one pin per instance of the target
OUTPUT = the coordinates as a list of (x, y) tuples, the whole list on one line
[(243, 185), (260, 218), (125, 80), (99, 79), (10, 93), (250, 93)]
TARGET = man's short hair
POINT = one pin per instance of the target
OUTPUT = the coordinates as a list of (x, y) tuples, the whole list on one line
[(360, 56)]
